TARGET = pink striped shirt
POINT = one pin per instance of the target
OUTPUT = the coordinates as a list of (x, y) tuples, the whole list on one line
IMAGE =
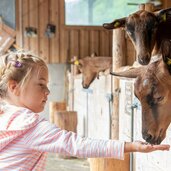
[(25, 139)]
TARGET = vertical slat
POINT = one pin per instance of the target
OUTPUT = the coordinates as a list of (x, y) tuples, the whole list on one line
[(33, 18), (94, 42), (43, 21), (25, 23), (104, 43), (74, 43), (118, 61), (84, 43), (167, 3), (130, 52), (110, 42), (64, 35), (64, 46), (54, 41), (18, 12)]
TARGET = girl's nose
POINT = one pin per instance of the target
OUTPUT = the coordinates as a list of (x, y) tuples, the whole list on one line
[(47, 91)]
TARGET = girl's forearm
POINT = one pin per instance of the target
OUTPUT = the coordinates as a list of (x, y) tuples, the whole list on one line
[(130, 147)]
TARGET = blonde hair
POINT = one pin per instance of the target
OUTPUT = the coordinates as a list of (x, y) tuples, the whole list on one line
[(17, 66)]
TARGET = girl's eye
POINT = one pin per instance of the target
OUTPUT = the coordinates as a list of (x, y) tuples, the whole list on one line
[(41, 85)]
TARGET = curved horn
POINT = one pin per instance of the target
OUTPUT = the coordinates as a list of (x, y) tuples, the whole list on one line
[(128, 72), (115, 24)]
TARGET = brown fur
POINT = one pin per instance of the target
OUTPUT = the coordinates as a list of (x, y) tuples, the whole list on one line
[(153, 89), (91, 66)]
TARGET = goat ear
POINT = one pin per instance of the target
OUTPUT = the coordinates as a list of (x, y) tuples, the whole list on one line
[(93, 54), (165, 49), (163, 15), (115, 24), (128, 72)]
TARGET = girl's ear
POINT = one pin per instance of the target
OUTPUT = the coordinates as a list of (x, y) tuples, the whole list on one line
[(13, 87)]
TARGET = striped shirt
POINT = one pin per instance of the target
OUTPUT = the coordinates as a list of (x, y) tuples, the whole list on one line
[(25, 139)]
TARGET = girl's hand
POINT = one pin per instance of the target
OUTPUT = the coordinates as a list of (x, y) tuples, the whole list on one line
[(139, 146)]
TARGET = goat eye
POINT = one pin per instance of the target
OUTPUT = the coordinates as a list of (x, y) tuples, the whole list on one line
[(80, 65), (160, 98)]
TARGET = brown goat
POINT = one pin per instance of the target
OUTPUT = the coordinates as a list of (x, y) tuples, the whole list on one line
[(152, 88), (90, 67), (146, 30)]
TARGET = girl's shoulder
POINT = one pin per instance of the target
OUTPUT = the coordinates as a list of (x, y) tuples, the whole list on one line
[(18, 118)]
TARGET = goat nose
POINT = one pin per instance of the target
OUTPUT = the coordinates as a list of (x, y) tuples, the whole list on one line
[(85, 86), (144, 60), (147, 137)]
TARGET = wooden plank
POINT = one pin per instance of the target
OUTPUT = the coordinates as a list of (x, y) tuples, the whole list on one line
[(118, 61), (54, 107), (7, 36), (101, 164), (110, 42), (65, 35), (94, 42), (74, 43), (66, 120), (54, 41), (104, 43), (64, 46), (5, 42), (84, 43), (33, 22), (19, 30), (25, 23), (43, 21), (167, 3), (119, 46), (130, 52), (72, 27)]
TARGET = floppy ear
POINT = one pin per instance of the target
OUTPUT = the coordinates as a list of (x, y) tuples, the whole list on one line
[(115, 24), (93, 54), (163, 15), (128, 72), (165, 49)]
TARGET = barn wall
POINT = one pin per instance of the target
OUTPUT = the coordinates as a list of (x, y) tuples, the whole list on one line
[(93, 106), (68, 41)]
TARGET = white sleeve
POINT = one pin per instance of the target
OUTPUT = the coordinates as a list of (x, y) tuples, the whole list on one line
[(49, 138)]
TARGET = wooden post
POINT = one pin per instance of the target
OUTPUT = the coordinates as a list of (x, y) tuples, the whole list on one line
[(119, 49), (149, 7), (66, 120), (106, 164), (142, 7), (54, 107), (74, 68), (74, 72)]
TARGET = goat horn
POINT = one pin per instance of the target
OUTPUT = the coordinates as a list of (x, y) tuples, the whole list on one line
[(128, 72)]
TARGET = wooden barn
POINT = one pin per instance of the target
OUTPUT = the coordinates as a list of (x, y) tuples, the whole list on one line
[(60, 31)]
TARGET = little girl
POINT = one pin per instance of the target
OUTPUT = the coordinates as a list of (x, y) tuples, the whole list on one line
[(25, 137)]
